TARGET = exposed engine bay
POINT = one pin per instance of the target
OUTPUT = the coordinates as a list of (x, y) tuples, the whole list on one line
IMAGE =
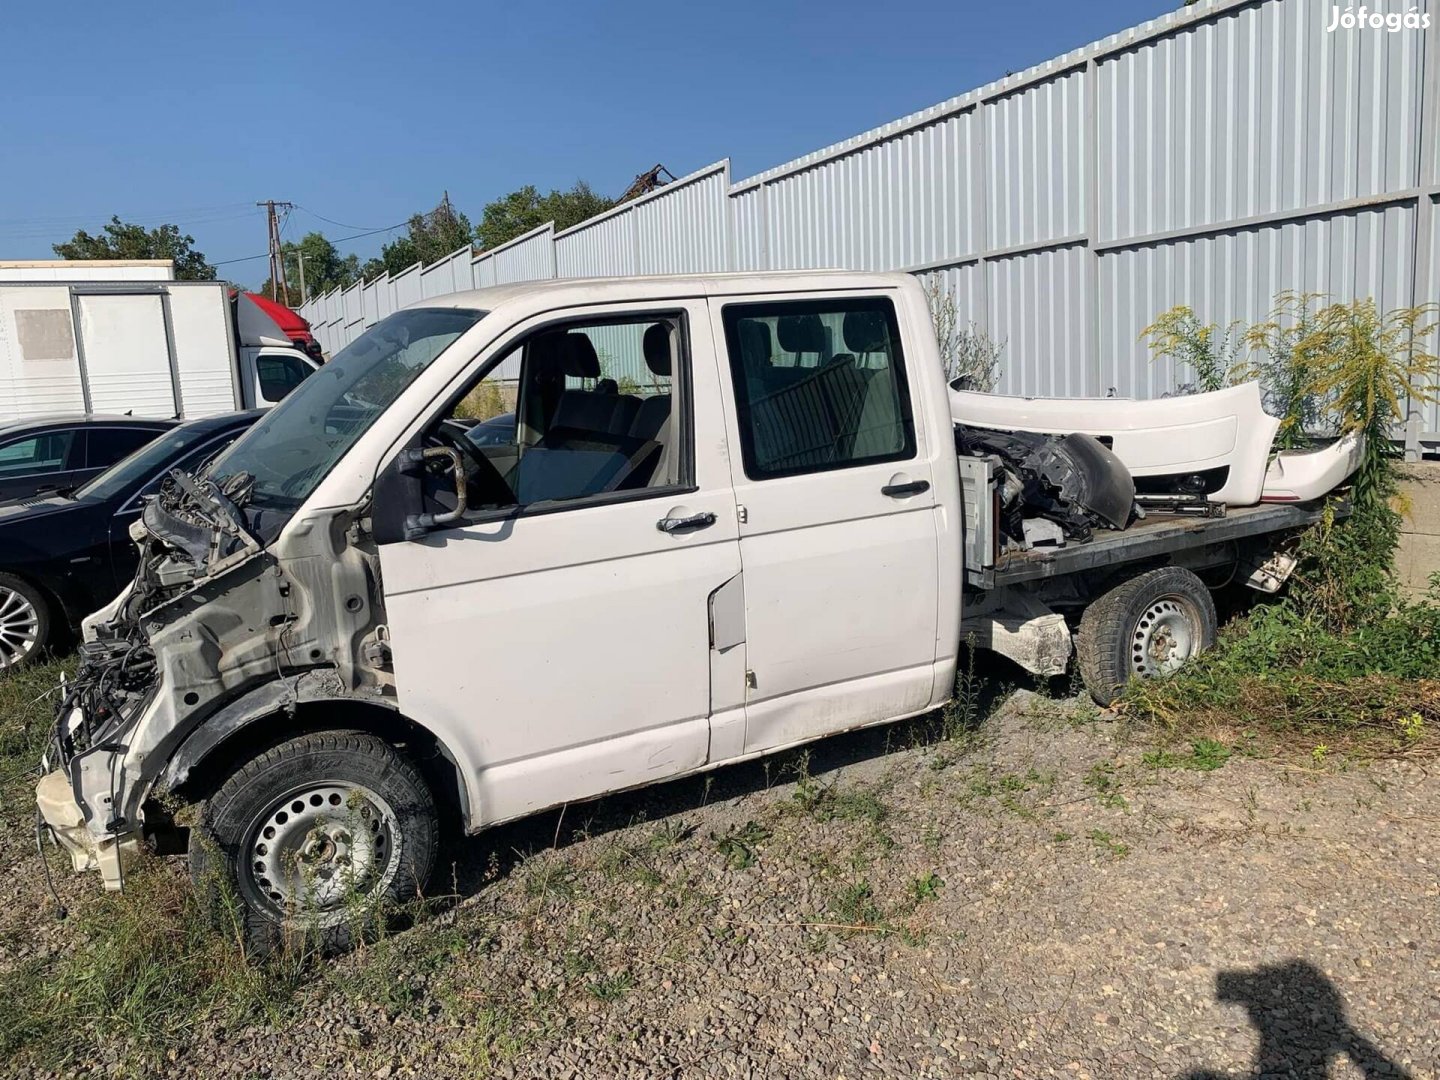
[(214, 619)]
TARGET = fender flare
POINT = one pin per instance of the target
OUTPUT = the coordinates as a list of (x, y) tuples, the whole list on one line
[(271, 698)]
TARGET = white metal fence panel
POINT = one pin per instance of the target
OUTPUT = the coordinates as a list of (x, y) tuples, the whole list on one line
[(482, 270), (1235, 275), (684, 228), (602, 246), (527, 258), (747, 223), (406, 286), (1034, 151), (1257, 112), (1037, 307)]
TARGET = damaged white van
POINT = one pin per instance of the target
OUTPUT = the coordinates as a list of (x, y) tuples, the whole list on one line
[(723, 515)]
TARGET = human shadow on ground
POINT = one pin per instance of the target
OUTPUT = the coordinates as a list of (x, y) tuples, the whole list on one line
[(1301, 1019)]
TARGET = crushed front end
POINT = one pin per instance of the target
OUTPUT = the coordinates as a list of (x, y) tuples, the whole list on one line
[(210, 615)]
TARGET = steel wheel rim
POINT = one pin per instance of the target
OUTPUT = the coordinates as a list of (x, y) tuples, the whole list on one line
[(1165, 636), (321, 848), (19, 627)]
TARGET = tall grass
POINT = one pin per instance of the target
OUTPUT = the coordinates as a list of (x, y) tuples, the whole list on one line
[(1344, 650)]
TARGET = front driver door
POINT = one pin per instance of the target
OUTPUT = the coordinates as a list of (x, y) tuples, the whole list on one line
[(557, 638)]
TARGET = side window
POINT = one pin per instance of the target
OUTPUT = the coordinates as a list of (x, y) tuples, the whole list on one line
[(575, 411), (819, 385), (44, 453), (105, 446), (279, 374)]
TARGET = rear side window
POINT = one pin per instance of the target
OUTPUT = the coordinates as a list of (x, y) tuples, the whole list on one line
[(44, 453), (819, 385), (279, 374), (105, 446)]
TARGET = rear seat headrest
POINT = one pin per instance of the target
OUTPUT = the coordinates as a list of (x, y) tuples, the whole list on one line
[(801, 333), (607, 386), (866, 332), (657, 348), (754, 341)]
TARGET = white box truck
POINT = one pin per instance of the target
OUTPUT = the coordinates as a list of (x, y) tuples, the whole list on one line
[(182, 349)]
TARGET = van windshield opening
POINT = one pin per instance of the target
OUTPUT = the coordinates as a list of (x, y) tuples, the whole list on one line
[(295, 445)]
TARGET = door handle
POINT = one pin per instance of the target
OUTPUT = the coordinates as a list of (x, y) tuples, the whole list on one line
[(685, 524), (899, 491)]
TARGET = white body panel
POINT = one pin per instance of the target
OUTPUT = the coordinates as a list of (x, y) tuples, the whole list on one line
[(162, 350), (39, 365), (124, 336), (1303, 475), (1186, 434)]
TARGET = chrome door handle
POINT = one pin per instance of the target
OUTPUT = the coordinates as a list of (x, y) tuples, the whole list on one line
[(899, 491), (685, 524)]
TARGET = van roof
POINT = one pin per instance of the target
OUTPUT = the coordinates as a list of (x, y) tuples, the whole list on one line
[(666, 286)]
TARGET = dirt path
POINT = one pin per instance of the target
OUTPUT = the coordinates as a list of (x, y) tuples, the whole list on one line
[(1040, 902)]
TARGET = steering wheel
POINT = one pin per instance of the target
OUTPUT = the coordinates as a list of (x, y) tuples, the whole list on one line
[(481, 475)]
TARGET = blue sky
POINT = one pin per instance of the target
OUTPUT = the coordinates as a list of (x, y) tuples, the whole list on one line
[(364, 112)]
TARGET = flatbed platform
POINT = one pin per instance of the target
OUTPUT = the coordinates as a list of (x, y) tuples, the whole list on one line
[(1157, 535)]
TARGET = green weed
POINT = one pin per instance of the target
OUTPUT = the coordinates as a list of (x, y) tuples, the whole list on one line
[(737, 846)]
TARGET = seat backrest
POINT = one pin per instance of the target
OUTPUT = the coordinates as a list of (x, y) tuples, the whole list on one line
[(650, 416), (582, 412), (876, 427)]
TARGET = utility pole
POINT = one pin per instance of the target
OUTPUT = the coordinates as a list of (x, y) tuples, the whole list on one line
[(300, 255), (277, 255)]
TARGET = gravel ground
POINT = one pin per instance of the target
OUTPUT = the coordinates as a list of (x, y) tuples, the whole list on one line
[(1039, 900)]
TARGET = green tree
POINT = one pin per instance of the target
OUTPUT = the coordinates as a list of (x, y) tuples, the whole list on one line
[(517, 213), (427, 237), (325, 267), (126, 240), (432, 236)]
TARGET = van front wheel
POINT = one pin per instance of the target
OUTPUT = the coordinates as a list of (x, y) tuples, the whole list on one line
[(1146, 627), (321, 838)]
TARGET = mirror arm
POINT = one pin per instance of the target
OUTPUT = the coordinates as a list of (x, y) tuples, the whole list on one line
[(417, 525)]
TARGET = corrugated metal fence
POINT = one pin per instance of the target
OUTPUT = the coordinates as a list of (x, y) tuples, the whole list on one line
[(1213, 157)]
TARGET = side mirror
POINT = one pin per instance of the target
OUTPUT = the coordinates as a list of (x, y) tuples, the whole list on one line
[(396, 513)]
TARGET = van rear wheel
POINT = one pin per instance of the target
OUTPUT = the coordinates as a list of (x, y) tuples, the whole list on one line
[(1146, 627), (322, 839)]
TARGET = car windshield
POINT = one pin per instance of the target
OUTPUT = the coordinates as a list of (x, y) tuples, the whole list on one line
[(146, 463), (295, 445)]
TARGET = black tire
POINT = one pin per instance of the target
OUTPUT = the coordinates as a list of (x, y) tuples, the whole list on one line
[(24, 622), (1137, 629), (322, 838)]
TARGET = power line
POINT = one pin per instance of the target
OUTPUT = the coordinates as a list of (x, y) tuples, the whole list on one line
[(331, 221), (337, 240)]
